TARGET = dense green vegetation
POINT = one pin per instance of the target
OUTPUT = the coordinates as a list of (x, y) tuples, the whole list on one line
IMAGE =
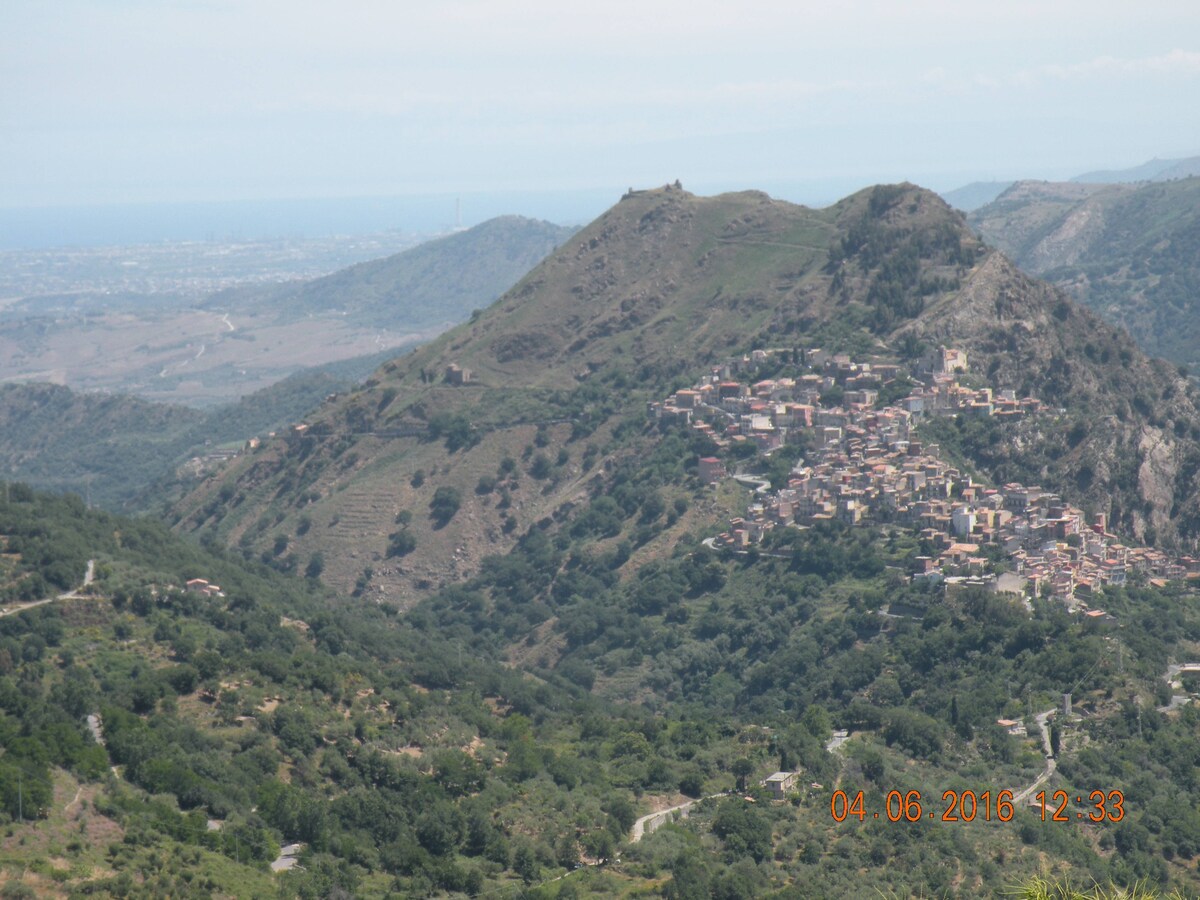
[(405, 757), (398, 758), (905, 265), (114, 448), (602, 661), (790, 637)]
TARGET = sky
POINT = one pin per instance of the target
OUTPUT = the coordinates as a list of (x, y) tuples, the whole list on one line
[(167, 101)]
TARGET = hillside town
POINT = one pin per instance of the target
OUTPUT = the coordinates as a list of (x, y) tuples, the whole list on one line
[(864, 463)]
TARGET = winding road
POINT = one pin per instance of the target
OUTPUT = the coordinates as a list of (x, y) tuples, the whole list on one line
[(1042, 719), (650, 823), (89, 576), (760, 485), (1172, 675)]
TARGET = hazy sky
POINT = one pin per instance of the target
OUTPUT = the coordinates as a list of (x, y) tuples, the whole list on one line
[(153, 100)]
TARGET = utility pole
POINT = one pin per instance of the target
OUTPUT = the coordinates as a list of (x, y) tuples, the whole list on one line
[(20, 798)]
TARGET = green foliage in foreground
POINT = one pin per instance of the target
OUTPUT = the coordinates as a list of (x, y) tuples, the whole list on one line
[(405, 756), (794, 626), (1040, 888), (397, 761)]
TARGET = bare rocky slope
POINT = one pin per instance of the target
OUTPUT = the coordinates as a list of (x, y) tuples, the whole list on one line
[(659, 287)]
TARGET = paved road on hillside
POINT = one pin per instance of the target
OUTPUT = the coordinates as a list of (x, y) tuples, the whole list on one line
[(1172, 675), (651, 822), (88, 577), (1051, 764)]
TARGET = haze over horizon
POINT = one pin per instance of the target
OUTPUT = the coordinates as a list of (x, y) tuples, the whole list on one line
[(559, 109)]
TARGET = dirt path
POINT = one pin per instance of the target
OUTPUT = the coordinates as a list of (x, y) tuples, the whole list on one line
[(74, 800), (89, 575)]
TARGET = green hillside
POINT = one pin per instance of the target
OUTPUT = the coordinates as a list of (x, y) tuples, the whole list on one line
[(536, 640), (505, 734), (658, 288), (1129, 252), (234, 723), (432, 285), (112, 448)]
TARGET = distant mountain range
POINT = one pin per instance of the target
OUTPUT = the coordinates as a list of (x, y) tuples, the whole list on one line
[(1131, 252), (112, 446), (972, 196), (433, 285), (1154, 170)]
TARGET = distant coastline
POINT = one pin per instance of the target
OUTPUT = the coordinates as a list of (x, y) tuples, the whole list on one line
[(49, 227)]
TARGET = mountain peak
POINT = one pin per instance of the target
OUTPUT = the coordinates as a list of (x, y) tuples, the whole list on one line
[(662, 286)]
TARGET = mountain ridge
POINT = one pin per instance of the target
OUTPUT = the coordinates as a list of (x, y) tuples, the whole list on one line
[(573, 652), (970, 197), (1152, 170), (661, 285), (1127, 251)]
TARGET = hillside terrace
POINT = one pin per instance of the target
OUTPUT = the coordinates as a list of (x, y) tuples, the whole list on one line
[(864, 464)]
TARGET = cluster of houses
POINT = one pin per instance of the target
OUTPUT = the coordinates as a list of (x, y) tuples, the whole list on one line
[(767, 412), (864, 463)]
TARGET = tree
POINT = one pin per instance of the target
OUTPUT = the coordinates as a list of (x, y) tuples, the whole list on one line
[(445, 503), (742, 769), (816, 721), (541, 466), (525, 863), (316, 565), (401, 543), (690, 879), (566, 852), (744, 829)]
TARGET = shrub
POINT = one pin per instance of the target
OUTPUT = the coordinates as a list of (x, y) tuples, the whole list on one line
[(445, 503)]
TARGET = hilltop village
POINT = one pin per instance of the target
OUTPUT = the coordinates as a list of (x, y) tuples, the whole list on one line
[(863, 463)]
